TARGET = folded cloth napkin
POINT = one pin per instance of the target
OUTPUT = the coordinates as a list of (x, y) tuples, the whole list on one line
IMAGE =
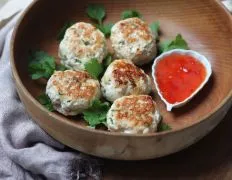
[(26, 151)]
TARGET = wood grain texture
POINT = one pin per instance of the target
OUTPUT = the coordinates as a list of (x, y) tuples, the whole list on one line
[(204, 24)]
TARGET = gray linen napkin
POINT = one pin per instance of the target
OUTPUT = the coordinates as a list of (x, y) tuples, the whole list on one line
[(26, 151)]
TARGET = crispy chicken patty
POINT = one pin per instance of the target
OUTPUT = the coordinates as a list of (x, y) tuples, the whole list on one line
[(133, 114), (71, 92), (123, 78), (133, 39), (82, 43)]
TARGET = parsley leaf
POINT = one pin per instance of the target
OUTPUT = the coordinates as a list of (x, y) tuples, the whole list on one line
[(96, 12), (94, 68), (61, 67), (96, 114), (41, 65), (155, 28), (177, 43), (108, 60), (62, 31), (164, 45), (46, 102), (105, 28), (163, 127), (130, 14)]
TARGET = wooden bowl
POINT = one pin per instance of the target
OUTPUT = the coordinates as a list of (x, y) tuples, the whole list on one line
[(205, 25)]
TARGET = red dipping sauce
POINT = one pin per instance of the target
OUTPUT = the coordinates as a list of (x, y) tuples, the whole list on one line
[(178, 76)]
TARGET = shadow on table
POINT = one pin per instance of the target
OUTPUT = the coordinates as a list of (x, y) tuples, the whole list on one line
[(210, 158)]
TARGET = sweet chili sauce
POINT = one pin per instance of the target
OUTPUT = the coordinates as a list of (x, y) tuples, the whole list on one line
[(178, 76)]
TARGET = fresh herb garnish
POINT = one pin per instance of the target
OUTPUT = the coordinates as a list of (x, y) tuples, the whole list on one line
[(61, 67), (46, 102), (155, 28), (41, 65), (97, 12), (163, 127), (105, 28), (130, 14), (108, 60), (177, 43), (163, 46), (96, 114), (94, 68), (62, 31)]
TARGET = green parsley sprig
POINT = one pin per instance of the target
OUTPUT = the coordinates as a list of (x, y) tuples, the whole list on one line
[(41, 65), (155, 26), (163, 127), (130, 14), (97, 12), (96, 114), (61, 67), (177, 43), (46, 102), (105, 29), (94, 68)]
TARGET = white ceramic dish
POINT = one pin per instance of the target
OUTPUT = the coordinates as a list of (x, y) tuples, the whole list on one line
[(192, 53)]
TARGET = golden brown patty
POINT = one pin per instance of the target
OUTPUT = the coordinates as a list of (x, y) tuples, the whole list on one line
[(72, 84), (138, 26), (124, 72), (136, 109), (83, 40), (133, 114), (123, 78), (71, 92)]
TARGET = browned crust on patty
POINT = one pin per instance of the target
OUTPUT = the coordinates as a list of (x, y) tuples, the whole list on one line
[(136, 109), (73, 84), (124, 72), (80, 37), (127, 27)]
